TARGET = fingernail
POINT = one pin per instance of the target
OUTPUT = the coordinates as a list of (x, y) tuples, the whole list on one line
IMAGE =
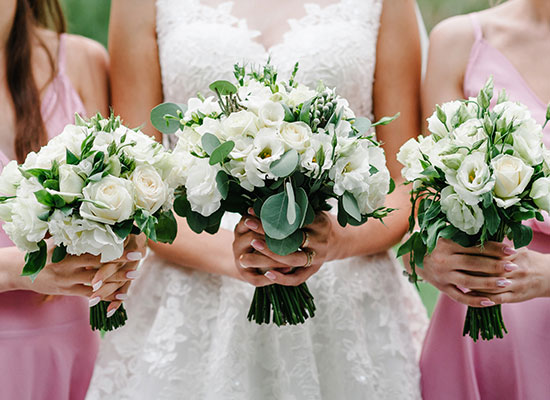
[(504, 282), (121, 296), (243, 265), (134, 256), (510, 266), (251, 223), (96, 286), (487, 303), (94, 301), (463, 289), (110, 313), (132, 274), (270, 275), (258, 244), (509, 250), (250, 211)]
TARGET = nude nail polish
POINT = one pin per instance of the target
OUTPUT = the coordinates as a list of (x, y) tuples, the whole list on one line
[(121, 296), (509, 251), (504, 282), (110, 313), (132, 274), (270, 275), (94, 301), (134, 256), (96, 286), (257, 244), (510, 266), (251, 223), (487, 303)]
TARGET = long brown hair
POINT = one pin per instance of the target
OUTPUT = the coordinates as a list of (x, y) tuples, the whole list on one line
[(30, 132)]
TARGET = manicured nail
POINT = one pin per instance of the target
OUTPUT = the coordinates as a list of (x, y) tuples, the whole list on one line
[(134, 256), (251, 223), (243, 265), (463, 289), (270, 275), (121, 296), (504, 282), (258, 244), (509, 251), (132, 274), (96, 286), (94, 301), (110, 313), (487, 303), (510, 266), (250, 211)]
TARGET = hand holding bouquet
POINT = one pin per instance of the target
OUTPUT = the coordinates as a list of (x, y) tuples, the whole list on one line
[(88, 189), (283, 149), (481, 173)]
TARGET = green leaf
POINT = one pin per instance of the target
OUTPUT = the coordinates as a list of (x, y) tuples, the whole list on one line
[(167, 227), (72, 159), (166, 117), (182, 206), (219, 155), (457, 236), (59, 201), (291, 207), (362, 125), (59, 254), (224, 88), (44, 197), (196, 221), (310, 216), (386, 120), (124, 228), (304, 112), (285, 165), (287, 245), (392, 186), (441, 116), (431, 172), (373, 170), (146, 223), (342, 215), (209, 143), (492, 219), (35, 261), (487, 199), (522, 235), (419, 249), (52, 184), (433, 234), (289, 115), (303, 203), (222, 181), (350, 205), (407, 247), (274, 217)]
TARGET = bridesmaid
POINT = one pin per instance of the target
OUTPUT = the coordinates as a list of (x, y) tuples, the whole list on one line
[(46, 345), (512, 43)]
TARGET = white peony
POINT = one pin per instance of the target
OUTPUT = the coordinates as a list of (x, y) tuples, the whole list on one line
[(472, 179), (271, 114), (201, 186), (150, 190), (108, 201), (540, 193), (10, 179), (512, 176), (467, 218), (296, 135)]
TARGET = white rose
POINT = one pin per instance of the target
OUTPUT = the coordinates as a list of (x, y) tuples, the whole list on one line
[(102, 141), (114, 198), (150, 190), (82, 236), (189, 139), (467, 218), (241, 123), (528, 144), (320, 145), (296, 135), (540, 193), (271, 114), (202, 188), (300, 95), (268, 147), (25, 228), (143, 148), (512, 176), (10, 179), (70, 182), (472, 179)]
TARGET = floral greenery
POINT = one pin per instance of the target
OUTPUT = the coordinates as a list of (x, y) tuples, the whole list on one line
[(481, 173), (283, 149)]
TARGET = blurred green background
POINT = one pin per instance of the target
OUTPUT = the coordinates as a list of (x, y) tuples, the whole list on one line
[(90, 18)]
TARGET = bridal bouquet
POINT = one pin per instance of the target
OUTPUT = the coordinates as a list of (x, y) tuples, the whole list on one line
[(283, 149), (481, 172), (88, 189)]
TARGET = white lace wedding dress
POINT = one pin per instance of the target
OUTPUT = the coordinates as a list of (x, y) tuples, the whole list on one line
[(188, 336)]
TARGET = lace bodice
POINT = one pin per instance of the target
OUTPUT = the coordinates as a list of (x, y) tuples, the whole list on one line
[(199, 44)]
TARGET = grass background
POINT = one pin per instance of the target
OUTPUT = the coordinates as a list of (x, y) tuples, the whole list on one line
[(91, 18)]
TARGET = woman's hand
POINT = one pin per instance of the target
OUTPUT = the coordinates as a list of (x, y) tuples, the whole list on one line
[(484, 277), (252, 254)]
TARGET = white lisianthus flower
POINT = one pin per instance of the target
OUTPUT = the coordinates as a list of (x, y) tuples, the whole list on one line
[(243, 147), (296, 135), (189, 139), (150, 190), (343, 103), (108, 201), (436, 127), (102, 141), (207, 107), (82, 236), (378, 183), (472, 179), (467, 218), (299, 95), (70, 182), (254, 94), (410, 155), (268, 147), (343, 129), (240, 123), (540, 193), (320, 144), (512, 111), (351, 173), (271, 114), (512, 176), (448, 156), (470, 133), (143, 148), (10, 179), (528, 142), (201, 186)]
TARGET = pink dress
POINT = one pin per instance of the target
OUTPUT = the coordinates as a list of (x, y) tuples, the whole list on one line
[(518, 366), (47, 349)]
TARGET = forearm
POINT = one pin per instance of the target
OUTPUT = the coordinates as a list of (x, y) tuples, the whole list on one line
[(374, 236), (12, 261), (209, 253)]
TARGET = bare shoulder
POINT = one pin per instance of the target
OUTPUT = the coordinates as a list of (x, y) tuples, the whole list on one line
[(453, 37)]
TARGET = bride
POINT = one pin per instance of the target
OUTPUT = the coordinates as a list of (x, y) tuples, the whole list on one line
[(188, 336)]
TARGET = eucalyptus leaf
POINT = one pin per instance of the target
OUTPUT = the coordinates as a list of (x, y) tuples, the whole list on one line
[(221, 152), (224, 88), (287, 245), (350, 205), (362, 125), (124, 228), (166, 117), (386, 120), (274, 217), (285, 165), (222, 181), (182, 206), (209, 143), (291, 207)]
